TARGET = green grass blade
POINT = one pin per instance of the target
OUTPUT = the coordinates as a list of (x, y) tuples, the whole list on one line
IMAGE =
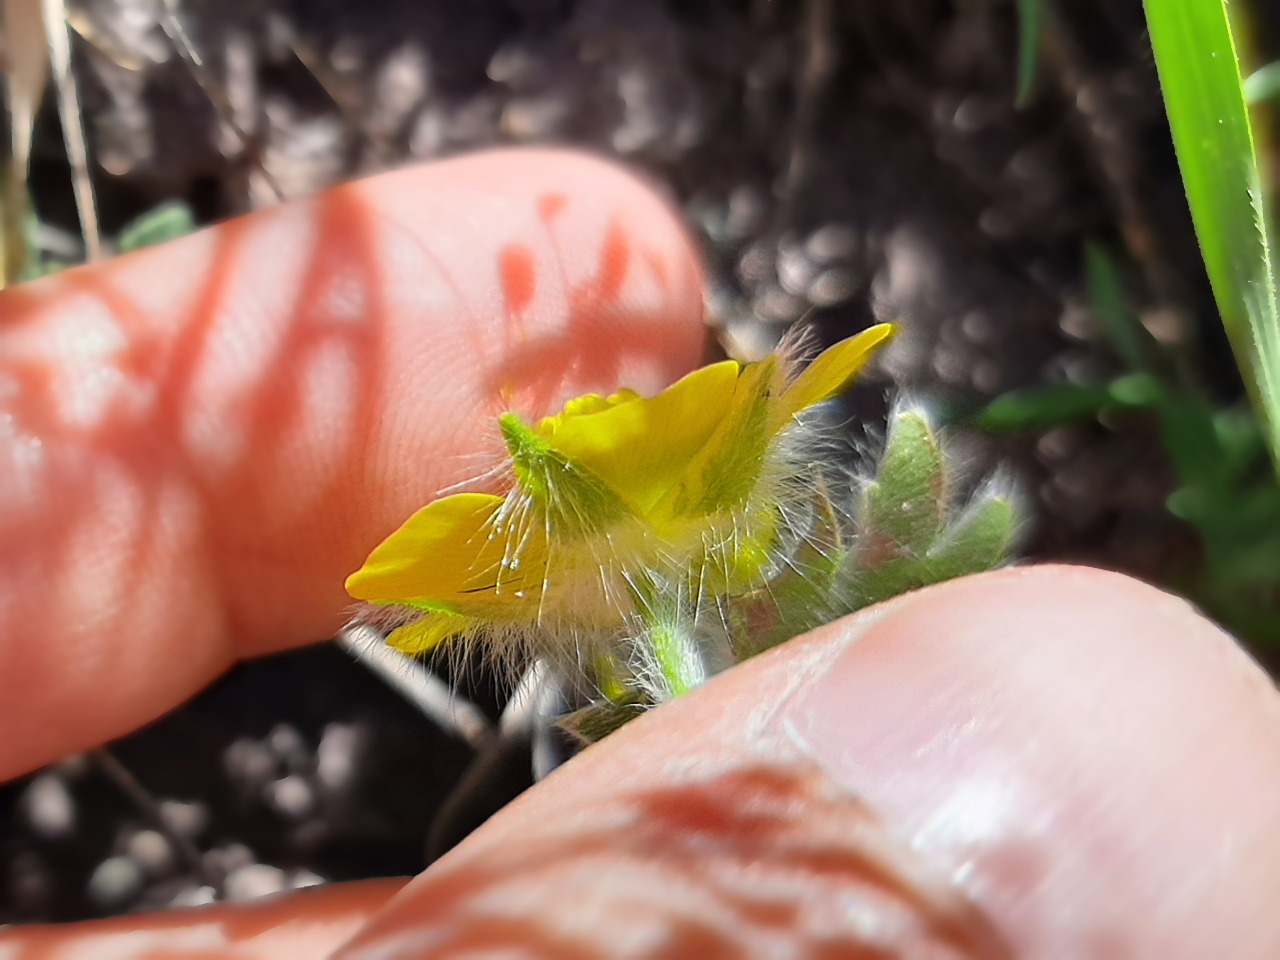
[(1204, 97), (1031, 18)]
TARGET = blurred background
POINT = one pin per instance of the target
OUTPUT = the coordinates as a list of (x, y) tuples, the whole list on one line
[(995, 175)]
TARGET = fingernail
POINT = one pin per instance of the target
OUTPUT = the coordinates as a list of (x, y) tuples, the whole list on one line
[(901, 726), (1070, 749)]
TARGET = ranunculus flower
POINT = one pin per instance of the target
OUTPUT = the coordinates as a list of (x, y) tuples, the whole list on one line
[(624, 512)]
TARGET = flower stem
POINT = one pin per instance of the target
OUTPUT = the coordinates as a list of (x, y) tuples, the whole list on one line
[(678, 657), (672, 661)]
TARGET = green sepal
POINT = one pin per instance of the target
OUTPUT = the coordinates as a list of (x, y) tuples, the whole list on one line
[(805, 594), (905, 541), (578, 504), (979, 540), (905, 505)]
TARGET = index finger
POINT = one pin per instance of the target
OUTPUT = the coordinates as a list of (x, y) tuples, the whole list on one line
[(207, 437)]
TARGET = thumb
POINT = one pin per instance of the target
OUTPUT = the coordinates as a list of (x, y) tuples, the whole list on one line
[(1039, 763)]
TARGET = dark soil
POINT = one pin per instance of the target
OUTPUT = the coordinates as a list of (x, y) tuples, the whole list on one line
[(841, 162)]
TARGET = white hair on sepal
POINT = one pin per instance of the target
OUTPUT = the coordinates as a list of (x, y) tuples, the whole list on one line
[(505, 650), (488, 465), (798, 346), (381, 617), (907, 402), (999, 485), (501, 648), (679, 634), (822, 457), (490, 477), (802, 487), (362, 635), (367, 632), (451, 659), (867, 447)]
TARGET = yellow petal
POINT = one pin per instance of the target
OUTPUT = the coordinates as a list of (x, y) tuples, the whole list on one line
[(642, 447), (727, 467), (423, 636), (830, 373), (458, 555), (594, 403)]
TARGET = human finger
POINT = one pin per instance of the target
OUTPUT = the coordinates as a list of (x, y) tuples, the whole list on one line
[(201, 440), (307, 925)]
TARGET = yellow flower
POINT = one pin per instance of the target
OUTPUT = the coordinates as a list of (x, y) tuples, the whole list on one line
[(619, 506)]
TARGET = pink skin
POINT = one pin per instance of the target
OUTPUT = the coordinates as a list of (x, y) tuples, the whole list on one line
[(206, 438)]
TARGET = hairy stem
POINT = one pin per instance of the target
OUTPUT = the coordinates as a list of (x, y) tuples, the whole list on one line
[(672, 661), (678, 657)]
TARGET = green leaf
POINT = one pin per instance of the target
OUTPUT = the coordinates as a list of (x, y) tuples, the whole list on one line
[(1039, 408), (166, 222), (1238, 434), (906, 503), (1204, 97), (1031, 20), (1189, 437), (888, 579), (980, 539), (1136, 391)]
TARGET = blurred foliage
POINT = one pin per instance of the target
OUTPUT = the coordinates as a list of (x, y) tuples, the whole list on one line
[(49, 251), (1224, 456), (1204, 97), (1226, 488), (160, 224)]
